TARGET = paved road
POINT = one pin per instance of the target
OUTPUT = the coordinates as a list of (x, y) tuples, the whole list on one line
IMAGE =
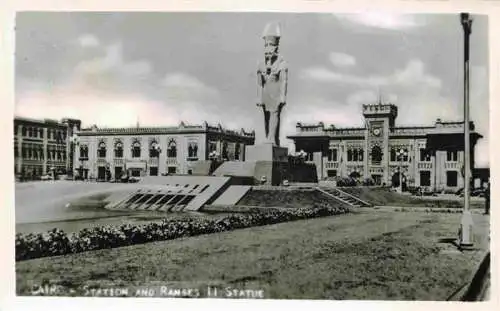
[(47, 201)]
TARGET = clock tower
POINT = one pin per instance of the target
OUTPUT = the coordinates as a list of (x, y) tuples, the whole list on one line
[(379, 121)]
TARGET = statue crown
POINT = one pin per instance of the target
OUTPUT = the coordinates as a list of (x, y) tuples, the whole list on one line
[(272, 30)]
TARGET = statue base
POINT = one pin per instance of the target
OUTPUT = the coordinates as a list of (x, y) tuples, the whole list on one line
[(266, 152), (268, 164)]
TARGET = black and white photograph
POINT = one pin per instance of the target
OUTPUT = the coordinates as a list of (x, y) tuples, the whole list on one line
[(252, 155)]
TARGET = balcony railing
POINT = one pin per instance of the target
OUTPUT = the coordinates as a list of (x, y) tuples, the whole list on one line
[(424, 165), (171, 161), (451, 165), (153, 161), (101, 161), (330, 164)]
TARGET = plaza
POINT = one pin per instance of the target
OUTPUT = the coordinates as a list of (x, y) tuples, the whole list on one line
[(201, 206)]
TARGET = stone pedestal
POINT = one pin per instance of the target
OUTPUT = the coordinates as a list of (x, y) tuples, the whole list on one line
[(266, 152), (268, 164)]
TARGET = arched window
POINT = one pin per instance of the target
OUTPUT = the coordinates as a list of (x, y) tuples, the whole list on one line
[(349, 155), (84, 152), (136, 150), (154, 149), (118, 149), (172, 149), (361, 153), (101, 150), (376, 155)]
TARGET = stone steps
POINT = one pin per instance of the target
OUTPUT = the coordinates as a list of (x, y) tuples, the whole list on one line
[(345, 197)]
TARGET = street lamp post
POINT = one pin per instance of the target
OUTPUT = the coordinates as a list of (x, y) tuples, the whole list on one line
[(465, 235), (401, 154)]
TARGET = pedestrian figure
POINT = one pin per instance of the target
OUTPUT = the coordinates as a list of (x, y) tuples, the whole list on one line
[(487, 198)]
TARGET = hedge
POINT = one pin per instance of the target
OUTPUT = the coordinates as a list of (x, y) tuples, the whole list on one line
[(57, 242)]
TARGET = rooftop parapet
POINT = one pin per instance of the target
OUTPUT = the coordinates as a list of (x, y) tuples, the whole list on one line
[(380, 109), (181, 128)]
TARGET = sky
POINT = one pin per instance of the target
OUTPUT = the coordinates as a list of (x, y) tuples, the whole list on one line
[(117, 69)]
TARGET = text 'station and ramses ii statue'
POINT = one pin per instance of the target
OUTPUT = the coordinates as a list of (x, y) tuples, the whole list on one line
[(272, 79)]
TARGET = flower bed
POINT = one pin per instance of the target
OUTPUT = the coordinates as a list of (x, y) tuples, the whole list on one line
[(57, 242), (291, 198)]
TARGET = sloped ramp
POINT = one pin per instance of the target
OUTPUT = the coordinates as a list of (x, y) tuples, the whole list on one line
[(202, 168), (232, 195), (171, 193), (236, 168)]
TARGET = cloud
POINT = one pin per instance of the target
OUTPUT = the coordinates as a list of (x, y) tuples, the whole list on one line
[(110, 91), (383, 20), (342, 60), (179, 79), (113, 63), (412, 75), (88, 40), (108, 109)]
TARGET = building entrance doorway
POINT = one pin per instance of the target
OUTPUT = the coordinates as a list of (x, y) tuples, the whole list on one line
[(118, 172), (377, 179), (101, 173), (396, 180)]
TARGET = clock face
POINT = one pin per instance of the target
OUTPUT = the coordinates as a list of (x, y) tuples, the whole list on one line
[(376, 131)]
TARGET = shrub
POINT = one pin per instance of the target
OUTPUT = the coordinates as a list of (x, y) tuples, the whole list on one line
[(346, 182), (57, 242), (368, 182)]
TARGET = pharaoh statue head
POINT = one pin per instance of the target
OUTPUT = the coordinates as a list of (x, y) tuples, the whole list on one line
[(271, 36)]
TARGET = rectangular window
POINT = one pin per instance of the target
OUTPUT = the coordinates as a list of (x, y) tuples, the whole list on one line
[(193, 150), (393, 155), (425, 155), (451, 178), (212, 146), (425, 178), (331, 173), (153, 171), (172, 170), (452, 156), (332, 155)]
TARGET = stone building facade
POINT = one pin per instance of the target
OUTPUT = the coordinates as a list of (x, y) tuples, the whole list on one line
[(432, 156), (43, 146), (154, 151)]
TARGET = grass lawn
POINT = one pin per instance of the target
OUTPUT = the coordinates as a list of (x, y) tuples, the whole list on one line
[(383, 196), (370, 255)]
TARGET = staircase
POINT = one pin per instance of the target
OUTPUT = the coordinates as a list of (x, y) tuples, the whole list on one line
[(344, 197)]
